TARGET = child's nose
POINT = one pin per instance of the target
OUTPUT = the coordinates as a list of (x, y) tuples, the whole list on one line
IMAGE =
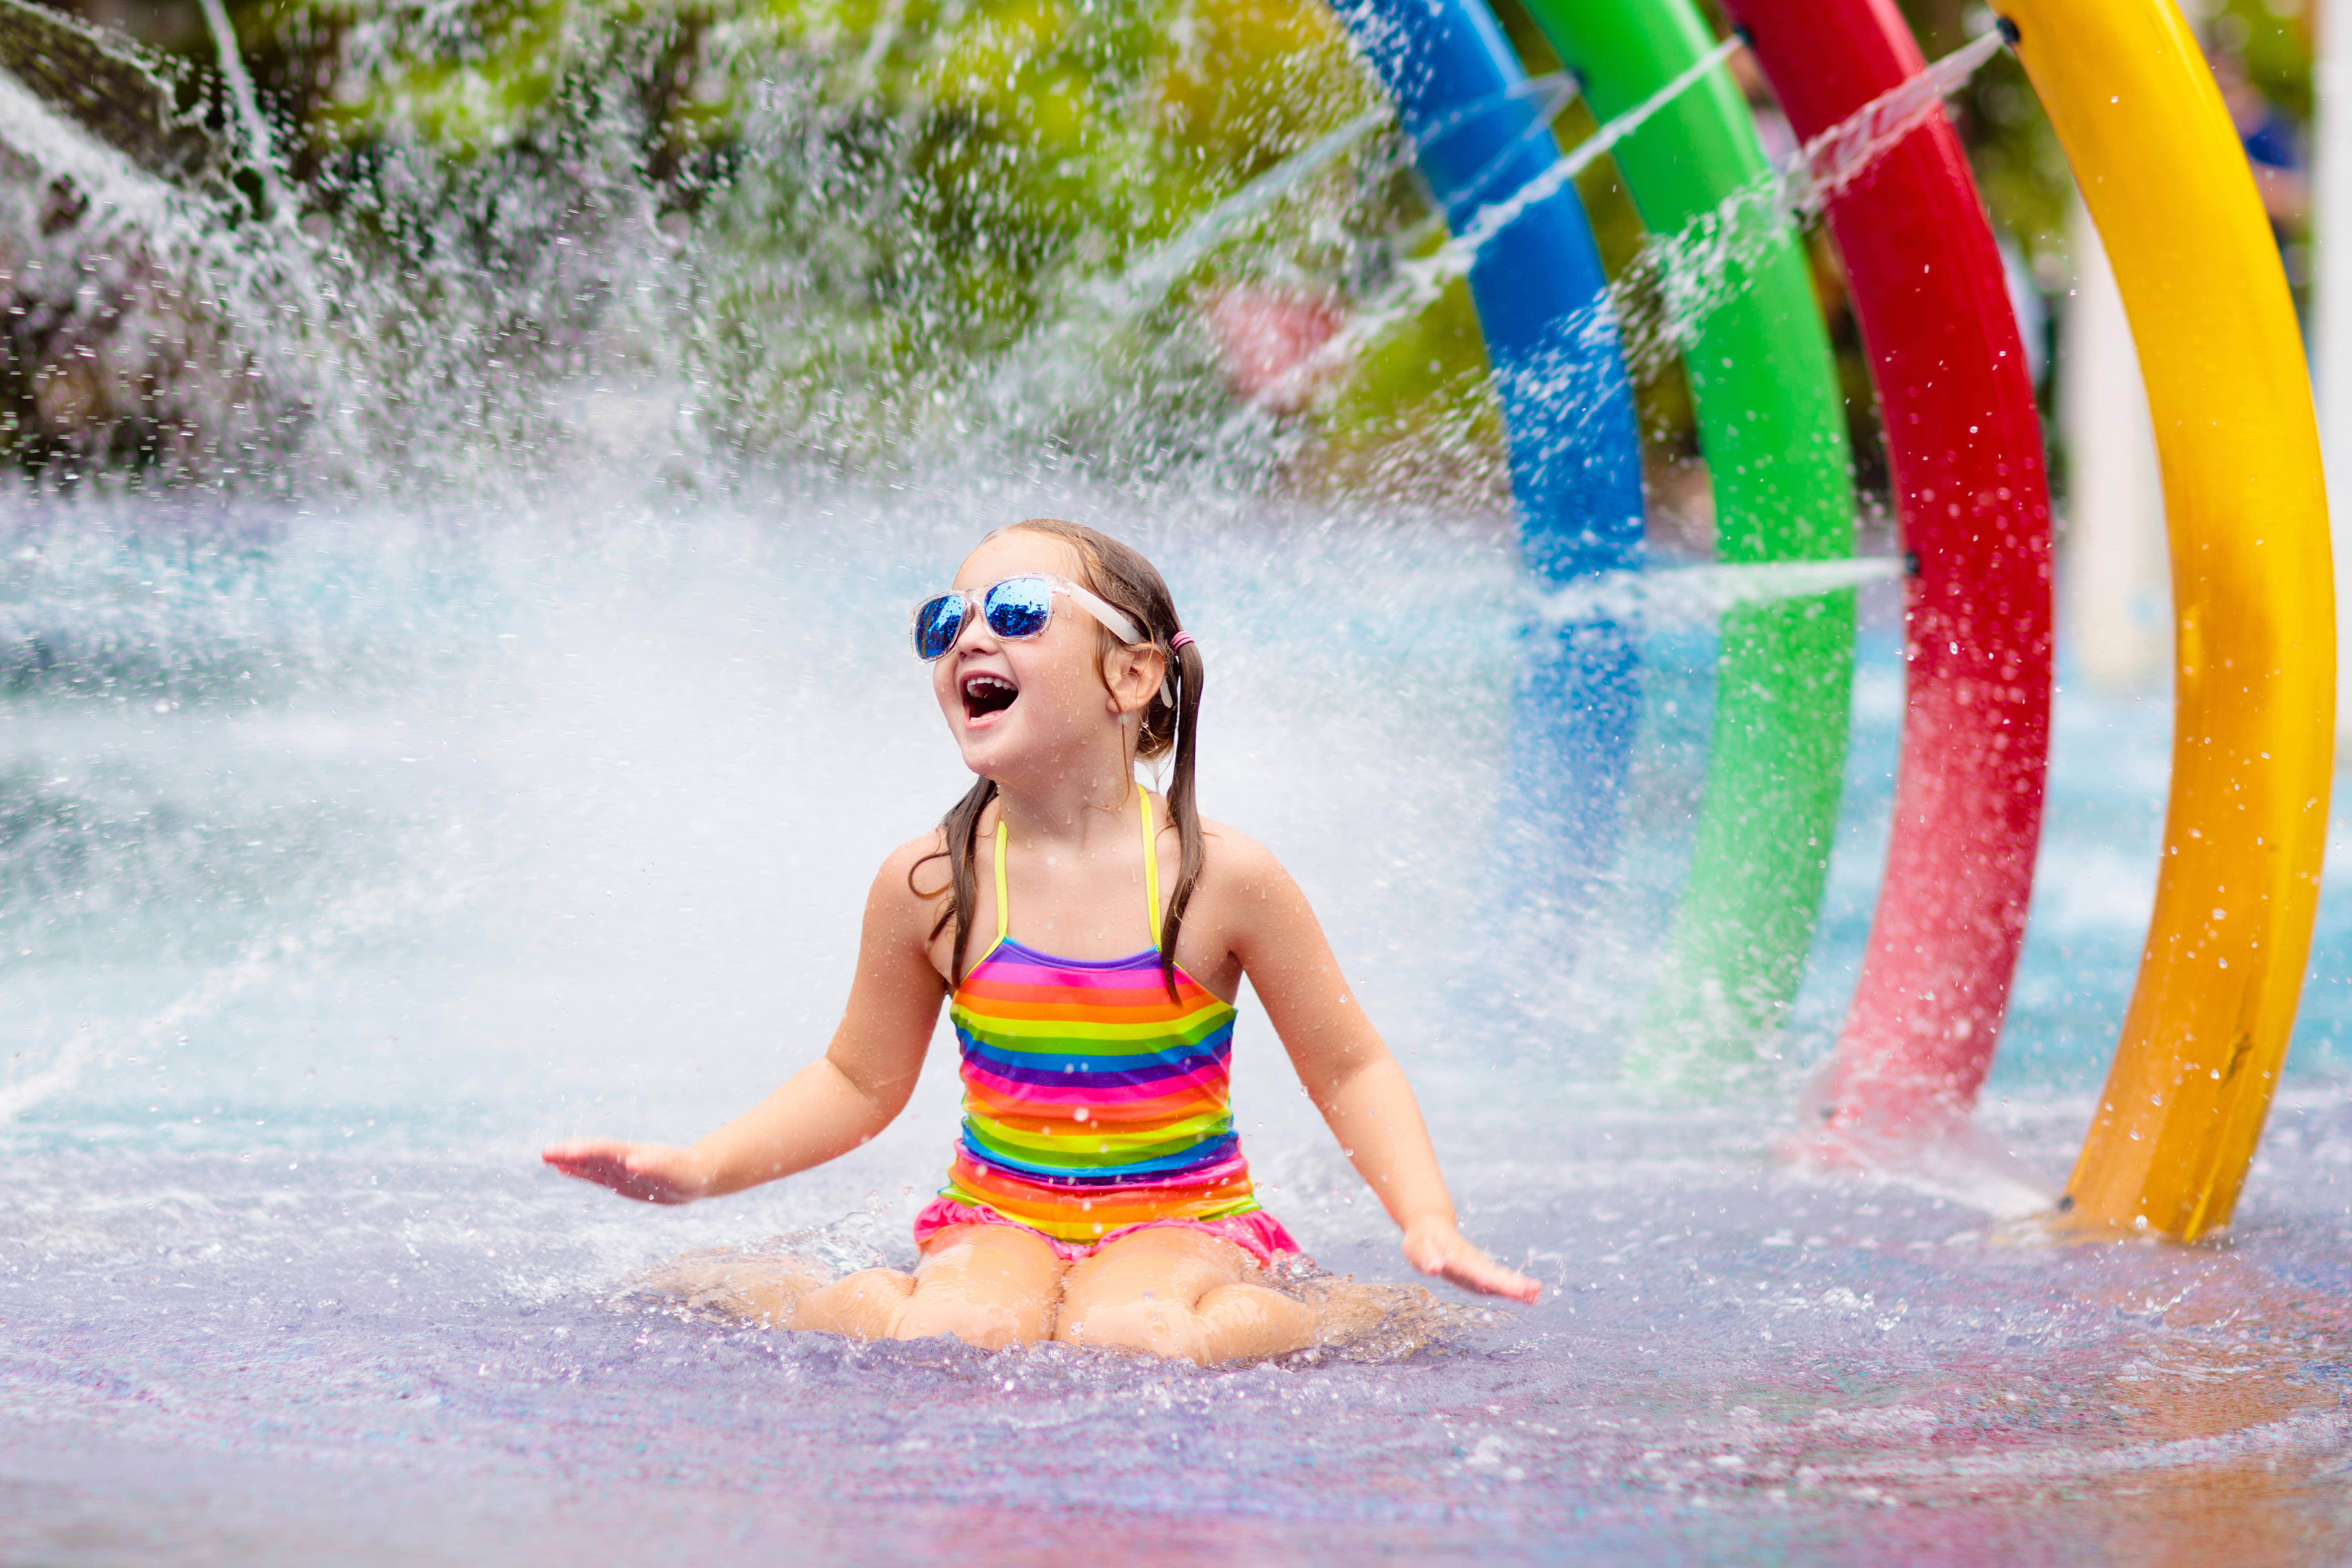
[(975, 633)]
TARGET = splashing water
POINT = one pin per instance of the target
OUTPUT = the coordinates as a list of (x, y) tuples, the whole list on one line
[(1649, 311), (378, 811), (1420, 282), (1147, 280), (264, 959), (377, 372), (1833, 159), (1665, 599), (260, 156), (637, 773), (1678, 279)]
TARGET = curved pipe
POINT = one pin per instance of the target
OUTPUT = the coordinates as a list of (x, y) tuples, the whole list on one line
[(2253, 609), (1965, 444), (1576, 467), (1772, 424)]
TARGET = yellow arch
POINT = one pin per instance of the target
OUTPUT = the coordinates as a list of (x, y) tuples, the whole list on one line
[(2253, 608)]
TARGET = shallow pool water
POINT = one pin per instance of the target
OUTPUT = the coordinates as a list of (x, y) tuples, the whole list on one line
[(350, 857)]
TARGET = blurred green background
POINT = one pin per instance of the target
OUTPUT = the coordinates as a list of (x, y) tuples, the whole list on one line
[(914, 185)]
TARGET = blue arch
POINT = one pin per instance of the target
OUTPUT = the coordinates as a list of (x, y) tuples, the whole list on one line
[(1568, 406)]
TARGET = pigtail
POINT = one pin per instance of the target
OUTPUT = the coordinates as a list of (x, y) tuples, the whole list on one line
[(960, 833), (1184, 802)]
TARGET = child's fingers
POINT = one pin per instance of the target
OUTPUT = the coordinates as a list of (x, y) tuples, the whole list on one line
[(583, 1151), (603, 1169), (1479, 1272), (586, 1159), (1453, 1258), (1511, 1284), (1501, 1278), (628, 1169)]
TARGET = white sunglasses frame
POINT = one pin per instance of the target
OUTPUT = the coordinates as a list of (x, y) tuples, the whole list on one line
[(1113, 620)]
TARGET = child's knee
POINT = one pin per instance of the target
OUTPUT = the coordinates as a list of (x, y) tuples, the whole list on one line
[(759, 1288), (883, 1303), (865, 1305), (982, 1324), (1245, 1322), (1229, 1322), (1151, 1325)]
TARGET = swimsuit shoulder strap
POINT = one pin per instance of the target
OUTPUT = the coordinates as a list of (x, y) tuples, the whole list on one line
[(1150, 868), (1003, 904)]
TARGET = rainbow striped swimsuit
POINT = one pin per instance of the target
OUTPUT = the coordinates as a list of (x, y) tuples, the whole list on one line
[(1091, 1101)]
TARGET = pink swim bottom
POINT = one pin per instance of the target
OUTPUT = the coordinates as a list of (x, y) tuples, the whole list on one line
[(1257, 1233)]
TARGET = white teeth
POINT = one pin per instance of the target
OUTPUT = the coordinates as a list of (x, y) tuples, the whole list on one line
[(985, 693)]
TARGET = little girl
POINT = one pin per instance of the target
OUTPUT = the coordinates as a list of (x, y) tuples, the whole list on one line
[(1098, 1194)]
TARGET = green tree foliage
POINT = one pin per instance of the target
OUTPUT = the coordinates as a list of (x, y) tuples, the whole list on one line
[(885, 195)]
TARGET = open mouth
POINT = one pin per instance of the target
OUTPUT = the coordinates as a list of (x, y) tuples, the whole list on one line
[(984, 695)]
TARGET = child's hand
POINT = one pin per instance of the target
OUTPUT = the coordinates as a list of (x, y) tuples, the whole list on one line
[(652, 1173), (1436, 1247)]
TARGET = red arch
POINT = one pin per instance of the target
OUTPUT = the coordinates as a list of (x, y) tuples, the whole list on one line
[(1972, 496)]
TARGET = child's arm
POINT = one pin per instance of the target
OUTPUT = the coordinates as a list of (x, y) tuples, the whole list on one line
[(830, 1106), (1347, 1068)]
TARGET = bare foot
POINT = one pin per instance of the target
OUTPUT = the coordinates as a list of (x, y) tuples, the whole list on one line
[(761, 1287)]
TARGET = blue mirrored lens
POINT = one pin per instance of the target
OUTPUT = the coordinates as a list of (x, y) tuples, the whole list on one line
[(1020, 607), (936, 624)]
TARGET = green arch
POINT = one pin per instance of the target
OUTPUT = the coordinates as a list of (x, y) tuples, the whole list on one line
[(1772, 425)]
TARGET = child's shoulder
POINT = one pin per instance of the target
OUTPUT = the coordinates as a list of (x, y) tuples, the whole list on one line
[(1244, 899), (1232, 857), (918, 870)]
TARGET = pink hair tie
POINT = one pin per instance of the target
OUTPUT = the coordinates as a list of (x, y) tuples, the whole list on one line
[(1179, 641)]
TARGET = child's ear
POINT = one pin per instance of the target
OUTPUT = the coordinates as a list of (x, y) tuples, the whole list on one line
[(1151, 673), (1132, 676)]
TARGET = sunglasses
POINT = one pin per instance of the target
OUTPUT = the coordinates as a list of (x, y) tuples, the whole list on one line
[(1017, 609)]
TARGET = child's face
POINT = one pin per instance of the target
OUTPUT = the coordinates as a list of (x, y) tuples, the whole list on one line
[(1015, 706)]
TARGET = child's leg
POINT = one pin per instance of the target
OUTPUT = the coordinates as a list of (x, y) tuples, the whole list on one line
[(988, 1285), (1172, 1291), (756, 1285)]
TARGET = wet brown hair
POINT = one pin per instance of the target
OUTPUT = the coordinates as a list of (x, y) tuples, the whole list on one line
[(1120, 574)]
